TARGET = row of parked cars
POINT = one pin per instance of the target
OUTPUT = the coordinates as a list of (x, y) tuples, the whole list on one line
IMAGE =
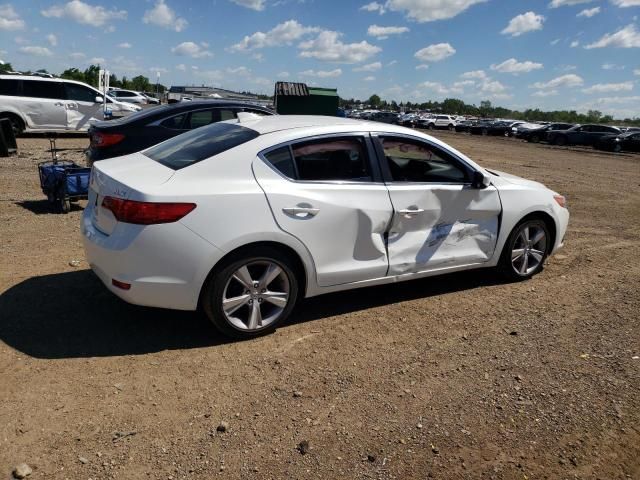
[(603, 137)]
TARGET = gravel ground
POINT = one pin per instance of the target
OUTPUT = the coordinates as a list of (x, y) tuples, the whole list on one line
[(460, 376)]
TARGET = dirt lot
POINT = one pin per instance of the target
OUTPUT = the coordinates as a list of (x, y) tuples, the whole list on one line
[(460, 376)]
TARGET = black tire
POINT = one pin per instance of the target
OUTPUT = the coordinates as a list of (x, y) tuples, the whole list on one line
[(431, 126), (617, 148), (451, 128), (215, 286), (560, 141), (16, 123), (506, 266), (65, 205), (485, 132), (534, 139)]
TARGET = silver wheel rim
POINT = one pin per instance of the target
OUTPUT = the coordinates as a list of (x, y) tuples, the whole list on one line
[(255, 295), (528, 249)]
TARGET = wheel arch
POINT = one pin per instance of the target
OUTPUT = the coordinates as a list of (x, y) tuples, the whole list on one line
[(300, 269), (17, 115), (547, 219)]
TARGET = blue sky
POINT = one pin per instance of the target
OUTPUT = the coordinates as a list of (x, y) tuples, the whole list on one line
[(551, 54)]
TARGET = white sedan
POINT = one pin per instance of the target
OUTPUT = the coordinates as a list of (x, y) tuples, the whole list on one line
[(245, 217)]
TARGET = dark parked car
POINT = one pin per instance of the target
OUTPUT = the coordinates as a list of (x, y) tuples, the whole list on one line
[(385, 117), (629, 141), (536, 135), (149, 127), (465, 125), (581, 135), (499, 127)]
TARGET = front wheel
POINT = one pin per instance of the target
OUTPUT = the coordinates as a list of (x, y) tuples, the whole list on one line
[(251, 295), (561, 141), (526, 250)]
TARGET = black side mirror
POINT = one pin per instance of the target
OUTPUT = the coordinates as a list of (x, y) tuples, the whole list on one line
[(480, 180)]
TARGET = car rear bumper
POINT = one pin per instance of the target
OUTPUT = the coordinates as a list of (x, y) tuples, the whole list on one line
[(166, 265)]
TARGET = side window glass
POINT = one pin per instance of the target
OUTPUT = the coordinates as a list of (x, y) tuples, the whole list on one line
[(202, 118), (414, 161), (340, 158), (80, 93), (174, 123), (9, 87), (39, 89), (226, 114), (281, 160)]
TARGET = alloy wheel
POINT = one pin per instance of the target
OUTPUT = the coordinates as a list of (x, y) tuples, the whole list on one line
[(255, 295), (529, 249)]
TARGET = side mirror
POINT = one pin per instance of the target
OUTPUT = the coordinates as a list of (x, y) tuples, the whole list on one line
[(99, 99), (480, 180)]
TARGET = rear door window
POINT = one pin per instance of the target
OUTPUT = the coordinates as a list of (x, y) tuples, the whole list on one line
[(175, 122), (331, 159), (200, 144), (281, 160), (9, 87), (40, 89), (205, 117)]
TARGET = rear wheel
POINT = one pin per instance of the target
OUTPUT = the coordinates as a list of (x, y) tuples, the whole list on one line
[(561, 141), (526, 250), (485, 132), (534, 139), (16, 123), (431, 126), (251, 295), (451, 128), (617, 148)]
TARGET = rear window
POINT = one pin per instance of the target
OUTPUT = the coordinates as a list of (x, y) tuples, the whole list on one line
[(199, 144)]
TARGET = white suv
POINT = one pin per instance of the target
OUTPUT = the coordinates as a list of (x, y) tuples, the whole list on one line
[(441, 121), (37, 104), (128, 96)]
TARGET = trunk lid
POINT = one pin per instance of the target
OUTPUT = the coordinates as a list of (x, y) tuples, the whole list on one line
[(128, 177)]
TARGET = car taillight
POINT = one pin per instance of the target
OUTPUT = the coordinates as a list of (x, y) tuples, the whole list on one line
[(101, 139), (146, 213)]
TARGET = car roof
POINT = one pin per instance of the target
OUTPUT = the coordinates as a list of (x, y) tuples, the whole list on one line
[(274, 123)]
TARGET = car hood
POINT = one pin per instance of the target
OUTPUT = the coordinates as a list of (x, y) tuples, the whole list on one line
[(499, 177)]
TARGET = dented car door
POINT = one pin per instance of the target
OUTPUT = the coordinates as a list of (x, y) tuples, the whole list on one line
[(440, 220), (323, 192)]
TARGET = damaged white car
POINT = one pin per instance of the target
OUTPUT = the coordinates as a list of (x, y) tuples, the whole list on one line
[(245, 217)]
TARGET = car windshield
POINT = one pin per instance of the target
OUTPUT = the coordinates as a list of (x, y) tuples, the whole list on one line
[(199, 144)]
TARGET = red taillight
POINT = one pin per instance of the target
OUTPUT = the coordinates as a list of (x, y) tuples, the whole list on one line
[(101, 139), (146, 213), (120, 285)]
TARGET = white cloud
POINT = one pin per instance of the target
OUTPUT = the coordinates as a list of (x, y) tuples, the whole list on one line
[(163, 16), (257, 5), (370, 78), (9, 18), (373, 7), (493, 87), (181, 66), (322, 73), (52, 39), (562, 3), (545, 93), (609, 87), (612, 66), (636, 71), (283, 34), (515, 67), (383, 32), (77, 55), (627, 37), (240, 71), (554, 42), (36, 51), (474, 74), (422, 66), (435, 53), (569, 80), (431, 10), (523, 23), (589, 12), (97, 61), (575, 44), (84, 13), (158, 70), (283, 75), (191, 49), (371, 67), (626, 3), (441, 89), (328, 47)]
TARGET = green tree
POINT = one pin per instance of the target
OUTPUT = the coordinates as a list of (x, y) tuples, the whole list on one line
[(91, 75), (374, 101), (5, 67), (140, 83), (73, 74)]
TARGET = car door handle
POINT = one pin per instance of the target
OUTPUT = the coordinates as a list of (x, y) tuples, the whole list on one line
[(59, 104), (409, 213), (301, 212)]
